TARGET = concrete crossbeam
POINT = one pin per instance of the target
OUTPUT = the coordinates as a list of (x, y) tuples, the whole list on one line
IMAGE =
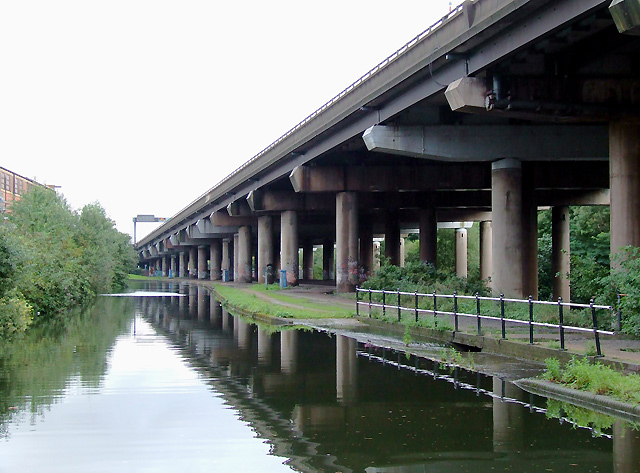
[(488, 142), (221, 218)]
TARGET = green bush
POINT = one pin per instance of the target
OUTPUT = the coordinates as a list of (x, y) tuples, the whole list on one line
[(15, 315)]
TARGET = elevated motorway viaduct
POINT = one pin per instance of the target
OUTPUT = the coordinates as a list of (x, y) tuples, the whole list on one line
[(502, 107)]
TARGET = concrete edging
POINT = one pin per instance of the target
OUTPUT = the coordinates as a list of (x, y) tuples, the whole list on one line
[(597, 402)]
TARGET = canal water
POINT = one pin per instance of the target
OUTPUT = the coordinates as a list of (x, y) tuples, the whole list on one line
[(167, 380)]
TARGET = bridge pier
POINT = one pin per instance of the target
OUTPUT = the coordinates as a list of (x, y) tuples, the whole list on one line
[(182, 263), (347, 241), (366, 245), (289, 245), (392, 237), (244, 254), (202, 262), (236, 258), (307, 259), (193, 262), (507, 248), (328, 259), (461, 252), (265, 245), (560, 252), (215, 260), (624, 178), (226, 256), (428, 236)]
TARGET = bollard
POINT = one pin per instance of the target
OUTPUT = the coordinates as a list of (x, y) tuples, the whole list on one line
[(595, 328), (478, 314), (504, 334), (530, 320), (455, 310)]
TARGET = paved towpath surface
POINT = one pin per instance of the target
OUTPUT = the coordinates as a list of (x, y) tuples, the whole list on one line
[(615, 348)]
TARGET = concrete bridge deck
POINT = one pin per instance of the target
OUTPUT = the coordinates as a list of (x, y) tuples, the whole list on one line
[(500, 109)]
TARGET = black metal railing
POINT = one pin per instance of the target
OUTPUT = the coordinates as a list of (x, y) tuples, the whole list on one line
[(420, 302)]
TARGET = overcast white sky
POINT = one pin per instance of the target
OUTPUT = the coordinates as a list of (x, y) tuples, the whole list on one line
[(144, 105)]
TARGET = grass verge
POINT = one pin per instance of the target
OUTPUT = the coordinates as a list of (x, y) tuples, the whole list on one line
[(255, 300), (596, 378)]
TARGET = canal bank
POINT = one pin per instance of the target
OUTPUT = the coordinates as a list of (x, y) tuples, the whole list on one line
[(513, 358)]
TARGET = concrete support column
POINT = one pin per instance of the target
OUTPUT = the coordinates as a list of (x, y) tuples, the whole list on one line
[(182, 263), (461, 252), (289, 245), (346, 241), (215, 260), (624, 179), (244, 254), (428, 236), (172, 267), (486, 252), (162, 266), (236, 258), (193, 262), (328, 261), (403, 240), (265, 245), (376, 255), (226, 256), (392, 238), (366, 246), (307, 260), (529, 236), (506, 205), (560, 252), (202, 262)]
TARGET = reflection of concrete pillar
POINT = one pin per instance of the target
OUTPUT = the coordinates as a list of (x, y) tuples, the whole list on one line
[(461, 252), (392, 237), (289, 245), (346, 369), (265, 245), (236, 259), (202, 303), (624, 180), (215, 260), (626, 448), (307, 260), (560, 252), (506, 205), (486, 257), (244, 254), (193, 262), (226, 320), (288, 351), (215, 312), (193, 300), (264, 347), (508, 423), (366, 245), (346, 241), (202, 262), (243, 333), (327, 259)]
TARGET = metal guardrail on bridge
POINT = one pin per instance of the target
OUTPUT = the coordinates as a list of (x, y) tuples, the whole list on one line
[(417, 309)]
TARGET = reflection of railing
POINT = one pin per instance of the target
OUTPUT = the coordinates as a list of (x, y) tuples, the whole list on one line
[(417, 308)]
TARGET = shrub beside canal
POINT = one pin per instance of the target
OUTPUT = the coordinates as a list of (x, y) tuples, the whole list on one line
[(53, 258)]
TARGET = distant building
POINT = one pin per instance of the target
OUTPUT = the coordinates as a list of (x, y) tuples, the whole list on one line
[(12, 187)]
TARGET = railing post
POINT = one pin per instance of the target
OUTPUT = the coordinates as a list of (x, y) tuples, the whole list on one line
[(619, 328), (416, 306), (384, 308), (357, 302), (561, 322), (369, 302), (455, 310), (504, 335), (530, 320), (399, 314), (435, 310), (478, 313), (595, 327)]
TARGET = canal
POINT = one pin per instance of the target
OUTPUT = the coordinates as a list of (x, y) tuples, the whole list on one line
[(167, 380)]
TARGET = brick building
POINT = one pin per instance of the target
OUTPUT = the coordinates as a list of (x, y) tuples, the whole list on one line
[(12, 187)]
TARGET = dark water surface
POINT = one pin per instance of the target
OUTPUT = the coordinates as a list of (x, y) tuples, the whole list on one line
[(176, 383)]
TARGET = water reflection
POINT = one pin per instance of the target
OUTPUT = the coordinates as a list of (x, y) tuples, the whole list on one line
[(330, 403)]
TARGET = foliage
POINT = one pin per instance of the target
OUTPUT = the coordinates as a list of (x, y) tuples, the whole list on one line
[(596, 378), (15, 315), (52, 258), (625, 279)]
